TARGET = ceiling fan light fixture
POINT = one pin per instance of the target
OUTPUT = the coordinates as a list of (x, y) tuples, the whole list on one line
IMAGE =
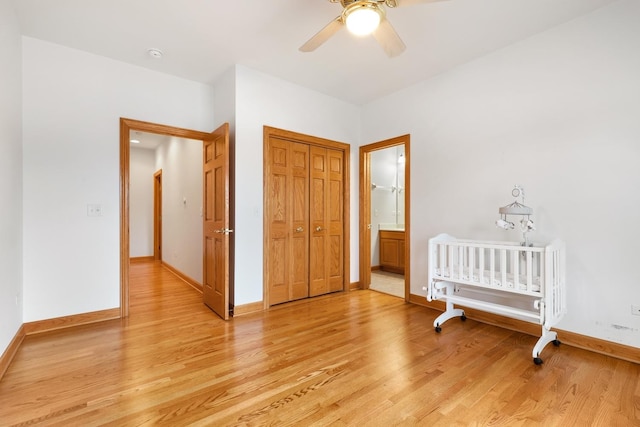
[(362, 18)]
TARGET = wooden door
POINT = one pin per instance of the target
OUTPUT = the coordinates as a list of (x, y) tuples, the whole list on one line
[(287, 216), (216, 222), (306, 212), (326, 256), (157, 215)]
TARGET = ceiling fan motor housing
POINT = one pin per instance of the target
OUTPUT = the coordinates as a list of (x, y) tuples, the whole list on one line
[(345, 3)]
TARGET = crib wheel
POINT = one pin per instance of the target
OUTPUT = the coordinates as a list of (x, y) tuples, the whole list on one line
[(556, 343), (463, 317), (438, 329), (537, 361)]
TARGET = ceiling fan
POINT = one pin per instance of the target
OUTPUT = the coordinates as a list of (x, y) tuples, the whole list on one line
[(362, 17)]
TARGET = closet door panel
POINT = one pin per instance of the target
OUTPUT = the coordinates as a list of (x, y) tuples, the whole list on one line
[(327, 194), (318, 216), (299, 227), (279, 219), (335, 250), (278, 279)]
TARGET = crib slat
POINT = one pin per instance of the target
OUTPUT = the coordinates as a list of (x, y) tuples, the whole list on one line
[(554, 282), (529, 273), (554, 285), (559, 283), (460, 262), (542, 273), (503, 266), (481, 264), (471, 263), (515, 262), (492, 266), (450, 262)]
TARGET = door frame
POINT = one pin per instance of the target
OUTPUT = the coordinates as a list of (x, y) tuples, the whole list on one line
[(365, 210), (268, 132), (157, 215), (126, 126)]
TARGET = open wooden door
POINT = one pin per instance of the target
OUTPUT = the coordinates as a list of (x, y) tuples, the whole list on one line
[(215, 216)]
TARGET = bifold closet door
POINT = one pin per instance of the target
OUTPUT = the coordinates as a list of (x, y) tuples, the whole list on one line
[(287, 210), (326, 257)]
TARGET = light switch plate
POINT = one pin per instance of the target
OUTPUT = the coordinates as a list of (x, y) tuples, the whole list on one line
[(94, 210)]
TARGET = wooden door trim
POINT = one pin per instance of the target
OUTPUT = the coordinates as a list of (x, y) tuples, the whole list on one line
[(157, 215), (269, 132), (126, 126), (365, 209)]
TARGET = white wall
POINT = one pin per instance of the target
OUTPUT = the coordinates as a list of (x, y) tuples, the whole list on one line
[(72, 104), (558, 114), (10, 176), (142, 166), (181, 163), (225, 100), (265, 100)]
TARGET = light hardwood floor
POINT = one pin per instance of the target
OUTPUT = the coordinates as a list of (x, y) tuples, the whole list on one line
[(357, 358)]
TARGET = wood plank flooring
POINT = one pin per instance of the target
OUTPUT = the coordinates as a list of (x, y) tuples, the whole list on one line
[(357, 358)]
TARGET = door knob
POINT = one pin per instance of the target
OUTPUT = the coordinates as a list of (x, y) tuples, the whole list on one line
[(318, 228), (223, 231), (299, 230)]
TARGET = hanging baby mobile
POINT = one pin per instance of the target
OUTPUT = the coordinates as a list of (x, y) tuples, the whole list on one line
[(520, 209)]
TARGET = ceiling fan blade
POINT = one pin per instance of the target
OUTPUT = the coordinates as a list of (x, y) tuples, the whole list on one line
[(387, 37), (323, 35)]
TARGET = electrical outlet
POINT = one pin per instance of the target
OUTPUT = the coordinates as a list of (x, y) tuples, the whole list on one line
[(635, 310)]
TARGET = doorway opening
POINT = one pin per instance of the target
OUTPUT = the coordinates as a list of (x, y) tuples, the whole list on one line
[(384, 216), (126, 127)]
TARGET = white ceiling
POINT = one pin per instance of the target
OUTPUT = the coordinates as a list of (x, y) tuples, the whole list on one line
[(201, 39), (148, 141)]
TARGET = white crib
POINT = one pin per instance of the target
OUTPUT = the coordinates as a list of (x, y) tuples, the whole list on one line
[(505, 278)]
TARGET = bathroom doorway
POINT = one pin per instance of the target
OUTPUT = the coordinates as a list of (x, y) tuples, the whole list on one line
[(384, 217)]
